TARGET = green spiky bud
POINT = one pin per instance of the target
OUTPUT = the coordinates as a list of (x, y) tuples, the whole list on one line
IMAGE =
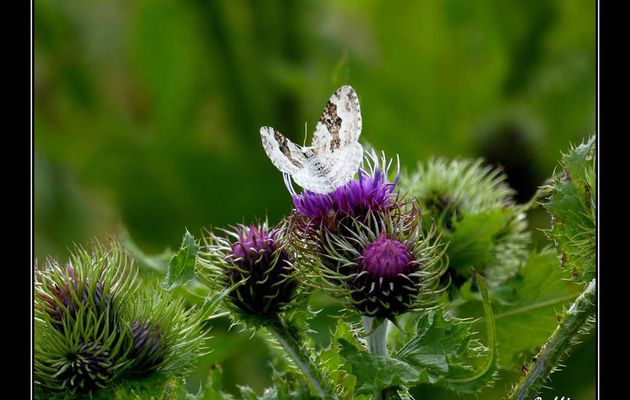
[(80, 342), (572, 205), (476, 214)]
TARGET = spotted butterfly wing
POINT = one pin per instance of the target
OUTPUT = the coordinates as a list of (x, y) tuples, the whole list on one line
[(335, 153)]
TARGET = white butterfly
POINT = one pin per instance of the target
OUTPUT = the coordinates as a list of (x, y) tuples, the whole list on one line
[(335, 153)]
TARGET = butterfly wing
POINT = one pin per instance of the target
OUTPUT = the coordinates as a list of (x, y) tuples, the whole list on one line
[(340, 123), (300, 163), (283, 153), (336, 137)]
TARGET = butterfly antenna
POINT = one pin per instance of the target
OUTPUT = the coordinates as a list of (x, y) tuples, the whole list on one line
[(305, 133)]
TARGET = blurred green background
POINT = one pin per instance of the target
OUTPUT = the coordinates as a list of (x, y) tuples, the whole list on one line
[(147, 112)]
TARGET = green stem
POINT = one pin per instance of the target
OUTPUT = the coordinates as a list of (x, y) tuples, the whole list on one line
[(289, 339), (376, 336), (549, 357)]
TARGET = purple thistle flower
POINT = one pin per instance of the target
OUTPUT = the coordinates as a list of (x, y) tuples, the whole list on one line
[(386, 258), (372, 191), (385, 281)]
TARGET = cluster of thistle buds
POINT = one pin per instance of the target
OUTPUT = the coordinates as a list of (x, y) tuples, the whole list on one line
[(362, 243), (95, 324)]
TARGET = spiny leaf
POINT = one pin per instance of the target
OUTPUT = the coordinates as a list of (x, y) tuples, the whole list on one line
[(447, 350), (334, 364), (437, 341), (181, 269)]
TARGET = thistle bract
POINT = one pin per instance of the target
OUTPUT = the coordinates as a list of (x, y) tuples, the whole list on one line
[(253, 261)]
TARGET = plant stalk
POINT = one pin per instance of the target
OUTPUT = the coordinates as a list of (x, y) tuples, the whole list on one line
[(376, 336), (544, 363), (289, 339)]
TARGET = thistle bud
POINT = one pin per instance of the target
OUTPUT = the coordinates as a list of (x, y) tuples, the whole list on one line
[(167, 337), (476, 214), (254, 261), (383, 268), (79, 338)]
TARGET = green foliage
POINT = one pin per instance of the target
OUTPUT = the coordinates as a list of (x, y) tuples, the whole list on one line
[(181, 269), (147, 113), (572, 201), (448, 350), (335, 364), (375, 373), (440, 350)]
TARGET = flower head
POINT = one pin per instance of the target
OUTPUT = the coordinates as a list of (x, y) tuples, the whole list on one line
[(386, 258), (254, 262)]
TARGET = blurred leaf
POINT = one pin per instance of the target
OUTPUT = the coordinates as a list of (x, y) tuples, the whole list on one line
[(181, 269), (474, 238), (146, 263)]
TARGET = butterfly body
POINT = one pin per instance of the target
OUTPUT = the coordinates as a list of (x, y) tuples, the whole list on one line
[(335, 153)]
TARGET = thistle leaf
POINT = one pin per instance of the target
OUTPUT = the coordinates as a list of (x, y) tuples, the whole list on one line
[(181, 269), (572, 205)]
